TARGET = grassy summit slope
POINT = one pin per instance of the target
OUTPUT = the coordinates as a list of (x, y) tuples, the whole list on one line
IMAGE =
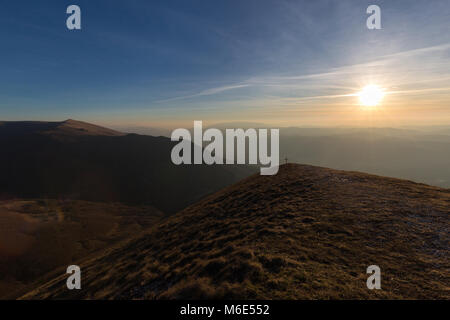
[(307, 232)]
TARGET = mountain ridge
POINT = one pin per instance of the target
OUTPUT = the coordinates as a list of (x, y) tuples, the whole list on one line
[(67, 127), (306, 233), (80, 161)]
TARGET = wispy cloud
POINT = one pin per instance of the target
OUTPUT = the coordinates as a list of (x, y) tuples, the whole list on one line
[(207, 92), (400, 72)]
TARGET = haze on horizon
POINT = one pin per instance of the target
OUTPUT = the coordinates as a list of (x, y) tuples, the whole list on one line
[(285, 63)]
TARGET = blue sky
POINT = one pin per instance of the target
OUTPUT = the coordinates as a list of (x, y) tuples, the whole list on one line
[(168, 62)]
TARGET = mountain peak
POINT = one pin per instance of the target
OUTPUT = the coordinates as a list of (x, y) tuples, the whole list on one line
[(70, 121), (80, 128), (65, 128)]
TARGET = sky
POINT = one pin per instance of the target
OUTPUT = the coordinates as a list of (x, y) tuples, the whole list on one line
[(281, 62)]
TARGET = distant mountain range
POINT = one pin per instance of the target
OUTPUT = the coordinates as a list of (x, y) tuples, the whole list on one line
[(81, 161), (305, 233), (416, 153)]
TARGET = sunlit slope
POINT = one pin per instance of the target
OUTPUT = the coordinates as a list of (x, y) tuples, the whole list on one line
[(307, 232)]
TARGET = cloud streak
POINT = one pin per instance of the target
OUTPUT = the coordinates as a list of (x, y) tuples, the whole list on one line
[(392, 70)]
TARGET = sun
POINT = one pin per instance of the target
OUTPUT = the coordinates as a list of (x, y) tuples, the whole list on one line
[(371, 95)]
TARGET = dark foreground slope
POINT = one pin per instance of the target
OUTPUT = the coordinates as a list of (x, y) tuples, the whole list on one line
[(38, 236), (307, 232), (81, 161)]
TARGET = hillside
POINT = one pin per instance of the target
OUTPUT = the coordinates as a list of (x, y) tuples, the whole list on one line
[(37, 236), (78, 128), (81, 161), (306, 233)]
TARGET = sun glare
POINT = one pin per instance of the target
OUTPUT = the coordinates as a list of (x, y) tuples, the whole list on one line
[(371, 95)]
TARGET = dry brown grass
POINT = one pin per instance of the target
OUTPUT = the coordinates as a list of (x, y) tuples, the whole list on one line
[(306, 233), (37, 236)]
